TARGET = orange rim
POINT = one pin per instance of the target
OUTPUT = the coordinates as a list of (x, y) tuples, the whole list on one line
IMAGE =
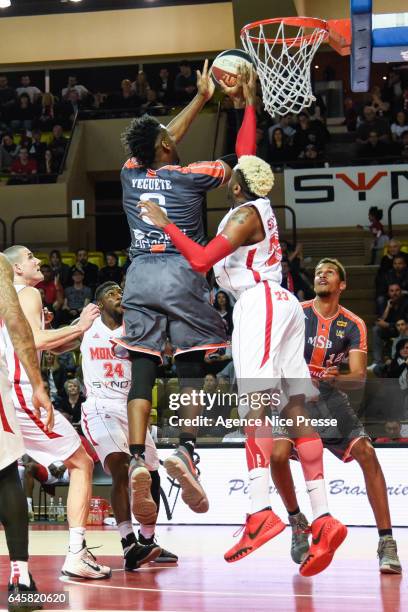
[(306, 22)]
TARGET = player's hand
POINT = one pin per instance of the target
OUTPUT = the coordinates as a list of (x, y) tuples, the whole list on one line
[(235, 91), (40, 400), (249, 86), (330, 375), (88, 316), (48, 317), (154, 213), (205, 84)]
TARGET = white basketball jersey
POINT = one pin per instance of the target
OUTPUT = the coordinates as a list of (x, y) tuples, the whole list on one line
[(249, 265), (17, 374), (105, 375)]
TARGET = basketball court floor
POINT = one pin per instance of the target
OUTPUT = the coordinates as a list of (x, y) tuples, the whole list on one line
[(203, 582)]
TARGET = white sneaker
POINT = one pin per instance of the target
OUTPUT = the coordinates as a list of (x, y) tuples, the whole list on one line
[(372, 366), (141, 501), (84, 565)]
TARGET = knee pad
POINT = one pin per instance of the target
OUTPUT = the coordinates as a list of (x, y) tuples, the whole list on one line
[(144, 371), (190, 368)]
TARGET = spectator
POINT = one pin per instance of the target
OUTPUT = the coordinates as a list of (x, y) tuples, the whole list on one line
[(374, 149), (380, 239), (293, 281), (350, 114), (222, 304), (164, 87), (393, 90), (73, 400), (58, 144), (37, 149), (54, 375), (10, 147), (380, 106), (77, 296), (152, 106), (47, 115), (393, 434), (53, 291), (280, 151), (140, 86), (125, 98), (59, 269), (403, 146), (285, 124), (309, 133), (50, 167), (384, 329), (399, 126), (371, 123), (112, 271), (185, 83), (402, 328), (23, 169), (216, 361), (393, 249), (398, 275), (5, 159), (8, 98), (398, 369), (31, 90), (89, 269), (22, 114), (69, 108), (73, 84), (262, 144)]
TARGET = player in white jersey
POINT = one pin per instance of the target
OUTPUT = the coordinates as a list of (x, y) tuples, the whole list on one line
[(13, 506), (105, 423), (267, 350), (63, 443)]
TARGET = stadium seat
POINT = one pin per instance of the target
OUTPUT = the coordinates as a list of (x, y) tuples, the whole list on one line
[(97, 258), (43, 256), (122, 257), (68, 258)]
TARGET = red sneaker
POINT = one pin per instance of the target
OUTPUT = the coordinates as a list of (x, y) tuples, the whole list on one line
[(258, 529), (327, 535)]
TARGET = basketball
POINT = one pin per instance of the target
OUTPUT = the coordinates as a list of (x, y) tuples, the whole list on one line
[(225, 66)]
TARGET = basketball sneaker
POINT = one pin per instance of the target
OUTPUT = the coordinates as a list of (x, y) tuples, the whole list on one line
[(327, 535), (83, 564), (182, 467), (258, 529), (141, 501), (165, 556), (16, 590), (136, 554), (388, 556), (300, 537)]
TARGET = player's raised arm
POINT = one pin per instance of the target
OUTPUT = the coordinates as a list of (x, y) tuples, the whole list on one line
[(251, 179), (22, 338)]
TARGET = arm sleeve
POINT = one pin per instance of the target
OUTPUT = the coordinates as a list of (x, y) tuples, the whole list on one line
[(200, 258), (246, 139), (206, 175)]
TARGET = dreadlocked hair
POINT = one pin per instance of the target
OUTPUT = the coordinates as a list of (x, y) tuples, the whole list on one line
[(140, 139)]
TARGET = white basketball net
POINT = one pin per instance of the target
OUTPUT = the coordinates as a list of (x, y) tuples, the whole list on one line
[(284, 67)]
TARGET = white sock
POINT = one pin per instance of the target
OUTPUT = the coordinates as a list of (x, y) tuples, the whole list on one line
[(30, 503), (259, 489), (125, 528), (318, 497), (76, 539), (20, 570), (147, 531)]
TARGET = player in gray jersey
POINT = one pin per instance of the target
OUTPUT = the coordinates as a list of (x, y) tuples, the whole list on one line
[(164, 297)]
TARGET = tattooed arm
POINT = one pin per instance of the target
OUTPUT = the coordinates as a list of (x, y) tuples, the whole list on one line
[(22, 338)]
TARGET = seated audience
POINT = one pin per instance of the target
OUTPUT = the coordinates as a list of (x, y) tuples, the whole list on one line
[(164, 87), (402, 329), (37, 148), (59, 269), (54, 374), (393, 434), (22, 114), (374, 149), (350, 114), (309, 132), (89, 269), (280, 151), (76, 297), (73, 84), (23, 169), (152, 106), (384, 329), (399, 126), (222, 304), (27, 88), (72, 401), (185, 83), (53, 291), (58, 144), (112, 271), (141, 86), (393, 249), (371, 123), (47, 116)]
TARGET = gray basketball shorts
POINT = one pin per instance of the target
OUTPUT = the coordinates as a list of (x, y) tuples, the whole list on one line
[(338, 439), (164, 298)]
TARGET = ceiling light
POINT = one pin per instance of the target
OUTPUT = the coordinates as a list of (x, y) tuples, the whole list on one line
[(5, 3), (76, 0)]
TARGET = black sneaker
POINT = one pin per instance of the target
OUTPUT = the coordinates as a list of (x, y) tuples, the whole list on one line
[(15, 589), (165, 555), (136, 554)]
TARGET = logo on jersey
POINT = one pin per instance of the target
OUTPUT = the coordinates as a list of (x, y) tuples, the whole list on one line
[(320, 342), (101, 352), (341, 323), (340, 333)]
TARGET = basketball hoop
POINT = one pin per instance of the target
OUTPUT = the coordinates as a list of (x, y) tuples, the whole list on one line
[(282, 50)]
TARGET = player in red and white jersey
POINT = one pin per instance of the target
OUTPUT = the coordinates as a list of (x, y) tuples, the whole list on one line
[(63, 443), (105, 423), (13, 505), (267, 344)]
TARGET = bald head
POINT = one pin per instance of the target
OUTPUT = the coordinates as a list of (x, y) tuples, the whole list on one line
[(15, 253)]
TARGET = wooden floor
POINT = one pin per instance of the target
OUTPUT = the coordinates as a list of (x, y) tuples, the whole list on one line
[(202, 582)]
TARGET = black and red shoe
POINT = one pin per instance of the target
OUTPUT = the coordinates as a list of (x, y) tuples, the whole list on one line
[(327, 535), (259, 528), (182, 467)]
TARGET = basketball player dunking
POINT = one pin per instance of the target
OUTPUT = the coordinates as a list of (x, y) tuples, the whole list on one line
[(333, 334), (104, 422), (267, 341), (63, 443), (13, 504), (164, 297)]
